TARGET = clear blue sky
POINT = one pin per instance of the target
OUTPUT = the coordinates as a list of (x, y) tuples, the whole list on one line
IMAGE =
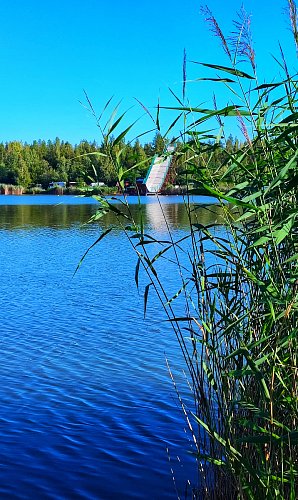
[(53, 50)]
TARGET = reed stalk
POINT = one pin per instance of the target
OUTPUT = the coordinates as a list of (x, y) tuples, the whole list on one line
[(239, 285)]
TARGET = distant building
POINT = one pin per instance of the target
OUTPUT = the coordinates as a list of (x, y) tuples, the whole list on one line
[(54, 184), (97, 184)]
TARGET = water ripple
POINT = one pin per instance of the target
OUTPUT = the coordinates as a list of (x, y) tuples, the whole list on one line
[(88, 409)]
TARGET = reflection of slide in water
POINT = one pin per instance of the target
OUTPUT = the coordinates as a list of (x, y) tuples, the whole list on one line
[(170, 215), (176, 216), (155, 218), (158, 172)]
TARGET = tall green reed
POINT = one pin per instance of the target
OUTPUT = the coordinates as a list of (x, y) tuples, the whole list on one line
[(238, 331)]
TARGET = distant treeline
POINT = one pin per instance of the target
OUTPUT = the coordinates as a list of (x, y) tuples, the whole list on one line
[(40, 163)]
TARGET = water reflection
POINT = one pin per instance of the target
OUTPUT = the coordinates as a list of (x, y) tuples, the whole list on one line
[(51, 216), (65, 216)]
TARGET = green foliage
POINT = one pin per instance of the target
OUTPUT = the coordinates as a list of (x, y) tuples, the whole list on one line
[(44, 162)]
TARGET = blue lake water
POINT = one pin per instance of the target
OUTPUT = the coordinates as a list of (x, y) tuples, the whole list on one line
[(88, 409)]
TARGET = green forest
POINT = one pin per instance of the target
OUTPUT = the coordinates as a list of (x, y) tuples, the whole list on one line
[(38, 164)]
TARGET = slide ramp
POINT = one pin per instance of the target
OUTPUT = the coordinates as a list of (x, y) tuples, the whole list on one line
[(158, 172)]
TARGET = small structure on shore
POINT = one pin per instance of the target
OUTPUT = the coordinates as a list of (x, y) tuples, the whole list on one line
[(57, 184)]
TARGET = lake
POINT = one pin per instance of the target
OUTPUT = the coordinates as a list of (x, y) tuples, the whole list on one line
[(88, 409)]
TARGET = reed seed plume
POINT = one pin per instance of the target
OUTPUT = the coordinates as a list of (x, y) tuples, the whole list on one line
[(214, 28), (243, 127), (241, 39), (293, 19)]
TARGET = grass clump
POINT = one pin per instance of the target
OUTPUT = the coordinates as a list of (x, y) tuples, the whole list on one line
[(239, 286)]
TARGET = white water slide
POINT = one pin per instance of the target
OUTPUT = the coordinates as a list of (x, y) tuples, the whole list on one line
[(158, 171)]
